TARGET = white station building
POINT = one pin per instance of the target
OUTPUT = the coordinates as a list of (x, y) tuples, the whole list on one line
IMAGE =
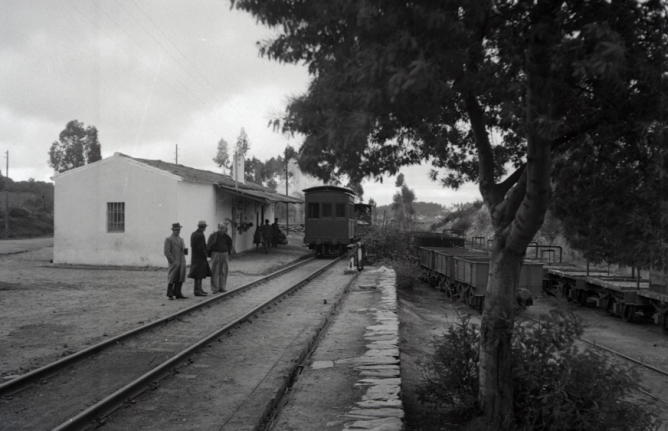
[(119, 210)]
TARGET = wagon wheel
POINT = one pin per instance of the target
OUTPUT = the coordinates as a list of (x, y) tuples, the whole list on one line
[(608, 304), (456, 290), (480, 303), (439, 284), (628, 311), (581, 297), (564, 289), (648, 312), (663, 319), (467, 296)]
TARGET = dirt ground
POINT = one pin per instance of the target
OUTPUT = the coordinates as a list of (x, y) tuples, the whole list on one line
[(48, 312), (426, 313)]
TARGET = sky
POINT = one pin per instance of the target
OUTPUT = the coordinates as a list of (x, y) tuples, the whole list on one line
[(151, 75)]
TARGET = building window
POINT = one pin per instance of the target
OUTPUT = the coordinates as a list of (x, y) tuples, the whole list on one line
[(115, 216), (313, 210), (341, 210), (326, 210)]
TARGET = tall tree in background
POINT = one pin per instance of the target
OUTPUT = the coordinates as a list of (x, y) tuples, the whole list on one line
[(398, 83), (222, 159), (76, 147), (402, 204), (243, 144)]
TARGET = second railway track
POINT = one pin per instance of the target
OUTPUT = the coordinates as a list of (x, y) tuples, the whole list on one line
[(72, 394)]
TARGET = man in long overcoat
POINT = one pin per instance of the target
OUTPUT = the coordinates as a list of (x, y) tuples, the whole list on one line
[(267, 233), (275, 232), (199, 267), (175, 252)]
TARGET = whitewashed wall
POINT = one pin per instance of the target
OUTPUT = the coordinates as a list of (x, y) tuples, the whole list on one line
[(154, 199), (80, 214)]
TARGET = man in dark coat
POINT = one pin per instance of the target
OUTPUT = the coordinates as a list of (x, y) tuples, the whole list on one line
[(221, 250), (199, 267), (175, 252), (275, 231), (266, 235)]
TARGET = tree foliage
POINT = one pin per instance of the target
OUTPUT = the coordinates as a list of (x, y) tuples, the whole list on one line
[(268, 173), (75, 147), (243, 144), (611, 200), (398, 83), (222, 159), (402, 205)]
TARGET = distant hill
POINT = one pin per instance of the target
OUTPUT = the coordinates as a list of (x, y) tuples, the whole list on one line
[(30, 208), (426, 209)]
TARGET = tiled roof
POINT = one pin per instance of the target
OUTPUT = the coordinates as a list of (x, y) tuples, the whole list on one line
[(200, 176), (248, 189)]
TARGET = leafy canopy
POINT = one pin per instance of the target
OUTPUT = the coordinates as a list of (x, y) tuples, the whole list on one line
[(76, 147)]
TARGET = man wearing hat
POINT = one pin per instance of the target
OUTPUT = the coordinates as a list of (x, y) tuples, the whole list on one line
[(221, 250), (175, 252), (199, 267)]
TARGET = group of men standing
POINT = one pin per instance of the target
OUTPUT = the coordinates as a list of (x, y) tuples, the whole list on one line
[(267, 235), (219, 248)]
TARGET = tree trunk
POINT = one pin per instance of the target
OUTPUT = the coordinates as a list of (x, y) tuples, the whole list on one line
[(496, 392), (516, 220)]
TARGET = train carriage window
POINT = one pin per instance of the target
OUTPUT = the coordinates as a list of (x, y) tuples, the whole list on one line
[(326, 210), (313, 210), (341, 210)]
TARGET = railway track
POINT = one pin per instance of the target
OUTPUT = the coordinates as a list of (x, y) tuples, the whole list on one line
[(649, 373), (82, 389)]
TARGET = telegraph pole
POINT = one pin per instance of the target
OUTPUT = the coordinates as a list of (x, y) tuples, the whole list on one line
[(177, 154), (287, 204), (7, 196)]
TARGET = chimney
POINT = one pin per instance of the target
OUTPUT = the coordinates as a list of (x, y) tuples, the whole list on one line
[(238, 171)]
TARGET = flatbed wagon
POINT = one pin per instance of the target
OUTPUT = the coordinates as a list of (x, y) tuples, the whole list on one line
[(619, 295)]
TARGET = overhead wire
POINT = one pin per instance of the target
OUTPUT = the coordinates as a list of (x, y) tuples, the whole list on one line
[(171, 43), (130, 53), (144, 50)]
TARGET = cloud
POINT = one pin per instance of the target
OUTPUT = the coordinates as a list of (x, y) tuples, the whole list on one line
[(149, 75)]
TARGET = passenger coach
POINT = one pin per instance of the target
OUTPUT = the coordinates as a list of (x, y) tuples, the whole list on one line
[(331, 223)]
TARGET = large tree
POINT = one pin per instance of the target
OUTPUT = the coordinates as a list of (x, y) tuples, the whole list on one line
[(75, 147), (222, 158), (398, 83)]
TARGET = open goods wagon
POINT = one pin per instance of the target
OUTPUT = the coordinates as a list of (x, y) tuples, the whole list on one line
[(464, 273)]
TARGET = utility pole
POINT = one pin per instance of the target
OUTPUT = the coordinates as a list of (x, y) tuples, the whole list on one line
[(287, 204), (7, 196), (177, 154)]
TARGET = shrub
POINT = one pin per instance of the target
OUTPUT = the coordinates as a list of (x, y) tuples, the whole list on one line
[(556, 386), (407, 272), (392, 247), (389, 243)]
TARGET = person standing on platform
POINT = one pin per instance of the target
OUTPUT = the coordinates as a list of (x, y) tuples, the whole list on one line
[(175, 252), (275, 231), (221, 250), (199, 267), (266, 235)]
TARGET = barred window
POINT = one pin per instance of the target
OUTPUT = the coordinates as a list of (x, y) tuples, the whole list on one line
[(115, 216)]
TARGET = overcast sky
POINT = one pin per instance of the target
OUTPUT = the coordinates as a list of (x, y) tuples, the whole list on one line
[(149, 75)]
